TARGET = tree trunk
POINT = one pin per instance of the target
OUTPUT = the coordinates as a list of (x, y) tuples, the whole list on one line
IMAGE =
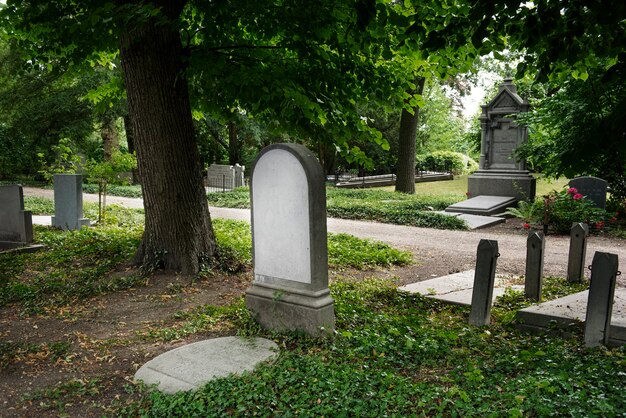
[(405, 170), (131, 145), (178, 233), (234, 156), (110, 139)]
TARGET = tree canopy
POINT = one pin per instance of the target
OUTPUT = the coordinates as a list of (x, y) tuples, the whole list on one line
[(304, 66)]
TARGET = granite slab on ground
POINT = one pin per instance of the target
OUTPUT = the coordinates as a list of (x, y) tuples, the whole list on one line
[(193, 365), (570, 311), (476, 221), (483, 205), (455, 288)]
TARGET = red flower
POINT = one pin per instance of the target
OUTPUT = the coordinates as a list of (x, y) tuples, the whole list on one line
[(526, 225), (599, 225), (572, 190), (613, 219), (577, 196)]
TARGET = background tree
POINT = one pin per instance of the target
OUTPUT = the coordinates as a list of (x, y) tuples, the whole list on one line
[(579, 129), (300, 63)]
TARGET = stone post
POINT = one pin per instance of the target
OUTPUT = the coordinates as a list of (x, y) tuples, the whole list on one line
[(68, 202), (484, 278), (535, 246), (600, 300), (577, 252), (288, 199)]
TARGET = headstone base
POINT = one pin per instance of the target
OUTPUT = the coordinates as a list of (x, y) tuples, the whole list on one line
[(514, 183), (79, 224), (281, 310)]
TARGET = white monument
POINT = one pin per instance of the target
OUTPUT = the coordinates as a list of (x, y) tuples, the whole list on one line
[(290, 256)]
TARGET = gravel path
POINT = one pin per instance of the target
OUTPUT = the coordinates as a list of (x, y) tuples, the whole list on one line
[(438, 251)]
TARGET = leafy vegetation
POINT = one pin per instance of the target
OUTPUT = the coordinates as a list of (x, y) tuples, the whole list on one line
[(396, 354), (79, 264), (369, 204), (561, 209), (115, 190), (75, 265)]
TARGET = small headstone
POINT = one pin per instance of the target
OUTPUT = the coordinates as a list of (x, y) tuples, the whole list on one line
[(535, 246), (593, 188), (600, 300), (290, 288), (577, 252), (484, 278), (68, 202), (16, 225)]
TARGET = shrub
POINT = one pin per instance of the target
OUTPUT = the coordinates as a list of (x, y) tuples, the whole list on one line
[(455, 162), (568, 206)]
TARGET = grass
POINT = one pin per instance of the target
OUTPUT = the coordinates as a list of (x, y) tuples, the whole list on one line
[(397, 354), (458, 186)]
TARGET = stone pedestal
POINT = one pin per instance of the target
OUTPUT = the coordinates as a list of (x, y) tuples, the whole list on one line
[(288, 200), (507, 183), (68, 202)]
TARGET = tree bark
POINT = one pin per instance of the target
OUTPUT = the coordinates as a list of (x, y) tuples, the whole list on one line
[(234, 154), (110, 139), (178, 232), (405, 170), (131, 146)]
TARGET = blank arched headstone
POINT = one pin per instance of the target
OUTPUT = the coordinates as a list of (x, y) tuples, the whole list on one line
[(290, 256)]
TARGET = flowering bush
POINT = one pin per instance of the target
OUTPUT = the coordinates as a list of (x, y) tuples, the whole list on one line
[(568, 206)]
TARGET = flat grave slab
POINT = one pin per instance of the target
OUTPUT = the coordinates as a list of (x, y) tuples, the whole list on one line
[(193, 365), (570, 311), (475, 221), (483, 205), (455, 288)]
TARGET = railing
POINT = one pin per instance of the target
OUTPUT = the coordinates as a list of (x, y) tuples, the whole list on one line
[(420, 171)]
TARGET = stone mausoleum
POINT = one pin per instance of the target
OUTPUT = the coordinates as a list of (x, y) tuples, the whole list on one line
[(502, 179)]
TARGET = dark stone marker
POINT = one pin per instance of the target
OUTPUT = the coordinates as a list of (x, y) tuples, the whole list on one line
[(484, 278), (16, 224), (535, 246), (289, 242), (577, 252), (600, 300), (593, 187)]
